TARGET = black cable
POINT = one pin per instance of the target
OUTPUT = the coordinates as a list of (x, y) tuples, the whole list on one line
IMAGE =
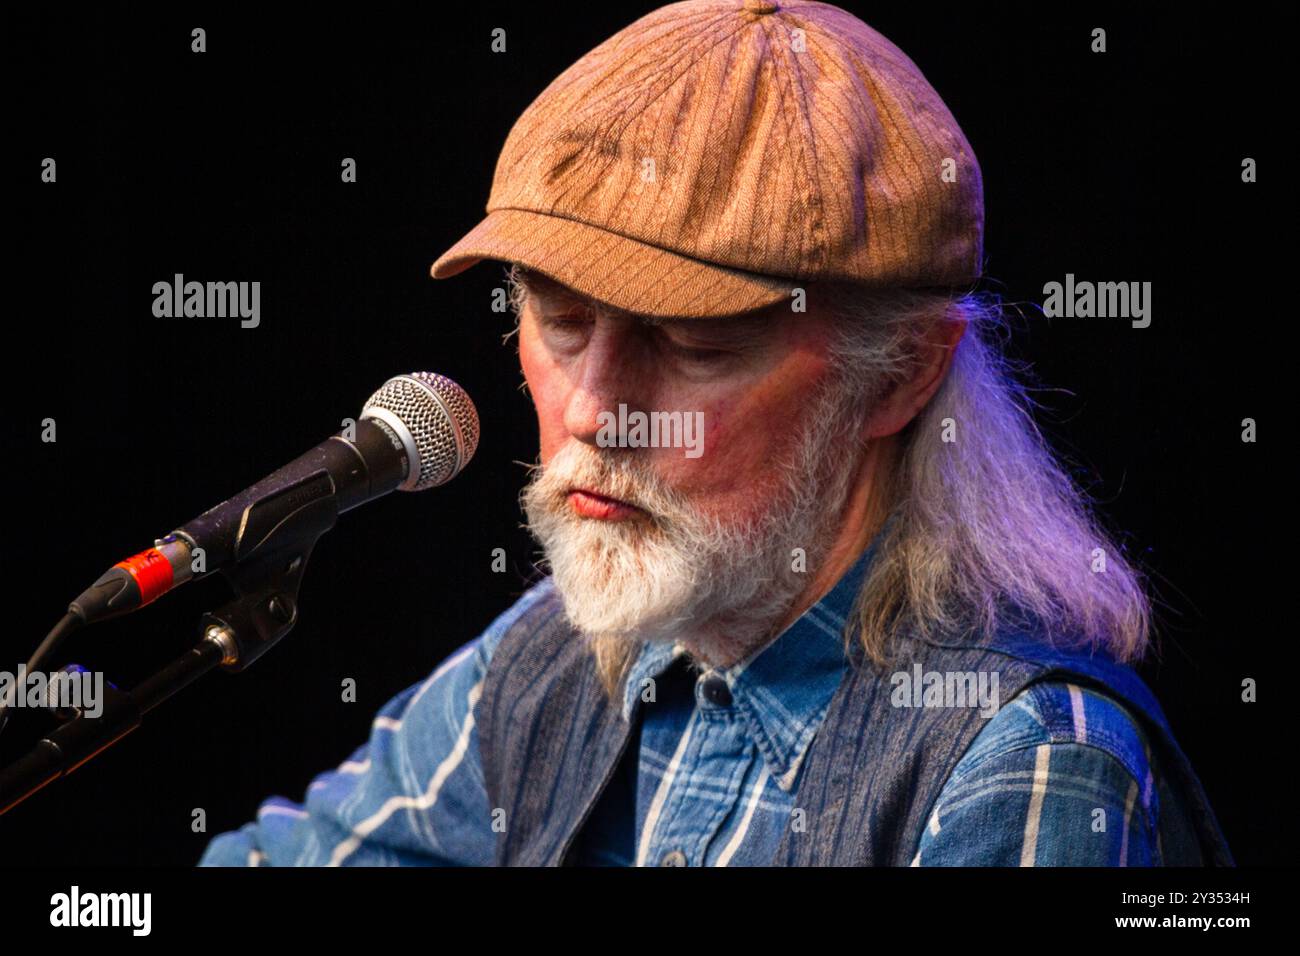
[(67, 624)]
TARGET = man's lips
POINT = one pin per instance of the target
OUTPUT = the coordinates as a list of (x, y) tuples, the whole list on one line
[(592, 504)]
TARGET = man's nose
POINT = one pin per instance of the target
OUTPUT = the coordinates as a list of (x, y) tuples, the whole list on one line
[(606, 376)]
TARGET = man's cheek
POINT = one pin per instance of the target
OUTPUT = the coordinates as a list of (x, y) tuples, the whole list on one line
[(720, 460), (552, 440), (551, 433), (548, 401), (717, 435), (535, 360)]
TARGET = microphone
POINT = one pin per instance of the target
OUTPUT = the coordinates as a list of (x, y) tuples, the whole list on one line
[(417, 431)]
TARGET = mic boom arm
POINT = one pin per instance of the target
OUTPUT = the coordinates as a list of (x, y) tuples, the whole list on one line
[(274, 541)]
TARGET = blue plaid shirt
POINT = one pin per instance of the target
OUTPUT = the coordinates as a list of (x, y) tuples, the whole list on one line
[(711, 781)]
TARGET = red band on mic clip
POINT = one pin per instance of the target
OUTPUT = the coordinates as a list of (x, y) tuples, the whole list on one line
[(152, 572)]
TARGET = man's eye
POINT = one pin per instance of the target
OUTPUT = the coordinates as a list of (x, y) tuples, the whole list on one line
[(561, 323), (702, 356)]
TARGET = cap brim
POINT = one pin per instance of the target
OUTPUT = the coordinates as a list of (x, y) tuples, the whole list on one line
[(624, 273)]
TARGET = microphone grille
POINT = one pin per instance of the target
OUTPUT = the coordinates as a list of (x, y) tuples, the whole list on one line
[(439, 418)]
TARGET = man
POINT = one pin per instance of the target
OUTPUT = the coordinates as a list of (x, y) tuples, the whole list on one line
[(856, 617)]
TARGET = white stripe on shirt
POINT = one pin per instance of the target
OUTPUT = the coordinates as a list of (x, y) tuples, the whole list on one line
[(1042, 755), (665, 787), (1128, 815), (1080, 717), (422, 802), (739, 836)]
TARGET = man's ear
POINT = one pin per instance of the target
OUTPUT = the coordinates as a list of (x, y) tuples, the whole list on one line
[(933, 349)]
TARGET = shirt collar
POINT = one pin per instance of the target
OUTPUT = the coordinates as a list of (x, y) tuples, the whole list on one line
[(783, 689)]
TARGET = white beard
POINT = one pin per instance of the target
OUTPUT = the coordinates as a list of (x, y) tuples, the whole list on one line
[(717, 584)]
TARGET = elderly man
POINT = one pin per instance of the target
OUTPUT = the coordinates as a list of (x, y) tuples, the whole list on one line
[(871, 621)]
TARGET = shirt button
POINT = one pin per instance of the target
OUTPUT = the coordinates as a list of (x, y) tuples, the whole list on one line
[(675, 858), (714, 689)]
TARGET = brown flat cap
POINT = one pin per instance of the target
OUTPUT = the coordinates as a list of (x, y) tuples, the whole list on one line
[(715, 154)]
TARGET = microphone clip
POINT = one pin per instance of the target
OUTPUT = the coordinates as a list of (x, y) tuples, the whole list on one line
[(266, 580)]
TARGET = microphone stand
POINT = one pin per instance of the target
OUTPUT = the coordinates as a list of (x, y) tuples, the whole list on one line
[(266, 579)]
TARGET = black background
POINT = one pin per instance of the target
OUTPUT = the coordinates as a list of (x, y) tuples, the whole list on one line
[(225, 166)]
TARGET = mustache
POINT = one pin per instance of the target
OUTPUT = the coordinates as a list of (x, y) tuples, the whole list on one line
[(612, 475)]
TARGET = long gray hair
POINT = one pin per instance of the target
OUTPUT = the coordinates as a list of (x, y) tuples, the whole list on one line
[(987, 530)]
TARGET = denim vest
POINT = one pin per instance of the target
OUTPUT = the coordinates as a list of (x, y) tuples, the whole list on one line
[(550, 741)]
